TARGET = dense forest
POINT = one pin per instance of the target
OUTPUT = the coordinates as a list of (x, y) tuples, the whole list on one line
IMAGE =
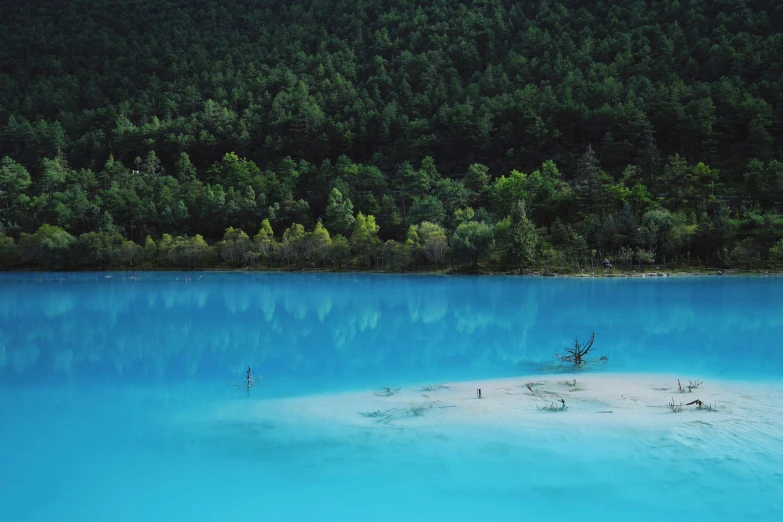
[(391, 134)]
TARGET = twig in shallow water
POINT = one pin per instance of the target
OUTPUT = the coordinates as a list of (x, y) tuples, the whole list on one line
[(436, 387), (552, 407), (702, 406), (388, 392)]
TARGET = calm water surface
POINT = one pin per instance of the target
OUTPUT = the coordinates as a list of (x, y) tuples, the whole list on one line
[(94, 370)]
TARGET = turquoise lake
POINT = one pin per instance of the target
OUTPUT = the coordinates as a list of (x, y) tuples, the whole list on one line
[(104, 376)]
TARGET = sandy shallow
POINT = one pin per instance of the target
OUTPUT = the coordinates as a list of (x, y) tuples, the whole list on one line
[(594, 402), (616, 454)]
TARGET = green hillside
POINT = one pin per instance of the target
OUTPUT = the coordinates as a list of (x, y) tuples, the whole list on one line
[(528, 134)]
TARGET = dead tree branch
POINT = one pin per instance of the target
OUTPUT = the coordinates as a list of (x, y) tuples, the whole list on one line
[(388, 392), (578, 353)]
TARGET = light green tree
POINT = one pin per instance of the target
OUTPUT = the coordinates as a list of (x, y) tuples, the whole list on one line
[(150, 251), (434, 242), (364, 239), (339, 212), (49, 247), (129, 253), (472, 240), (396, 255), (264, 240), (235, 244), (320, 243), (339, 251), (293, 247)]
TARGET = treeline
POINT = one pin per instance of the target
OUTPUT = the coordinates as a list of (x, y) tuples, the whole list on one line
[(520, 220), (649, 129)]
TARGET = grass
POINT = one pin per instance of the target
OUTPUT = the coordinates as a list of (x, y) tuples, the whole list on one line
[(553, 407)]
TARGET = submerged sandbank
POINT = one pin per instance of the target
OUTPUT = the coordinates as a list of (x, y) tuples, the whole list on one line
[(598, 400)]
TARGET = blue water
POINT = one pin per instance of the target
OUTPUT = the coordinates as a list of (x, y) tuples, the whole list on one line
[(94, 370)]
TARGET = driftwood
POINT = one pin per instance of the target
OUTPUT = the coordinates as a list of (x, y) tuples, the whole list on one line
[(382, 416), (535, 393), (552, 407), (387, 417), (572, 385), (388, 392), (688, 389), (701, 405), (541, 394), (435, 387)]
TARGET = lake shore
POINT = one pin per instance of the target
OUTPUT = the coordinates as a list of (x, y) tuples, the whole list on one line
[(461, 271)]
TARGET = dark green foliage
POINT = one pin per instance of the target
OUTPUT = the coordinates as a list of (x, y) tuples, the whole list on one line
[(649, 128), (520, 243)]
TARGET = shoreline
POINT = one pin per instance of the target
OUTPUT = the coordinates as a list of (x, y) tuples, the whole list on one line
[(614, 274)]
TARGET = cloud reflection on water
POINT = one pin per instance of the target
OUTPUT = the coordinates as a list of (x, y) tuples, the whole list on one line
[(338, 327)]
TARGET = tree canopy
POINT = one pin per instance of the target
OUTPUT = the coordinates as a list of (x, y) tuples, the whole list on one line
[(188, 118)]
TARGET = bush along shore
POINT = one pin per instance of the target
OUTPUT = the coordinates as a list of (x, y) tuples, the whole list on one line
[(512, 246), (523, 221)]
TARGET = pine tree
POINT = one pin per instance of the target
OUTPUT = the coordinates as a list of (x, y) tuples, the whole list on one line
[(339, 213), (520, 247), (592, 186)]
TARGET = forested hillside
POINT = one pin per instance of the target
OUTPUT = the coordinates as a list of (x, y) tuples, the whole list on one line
[(390, 133)]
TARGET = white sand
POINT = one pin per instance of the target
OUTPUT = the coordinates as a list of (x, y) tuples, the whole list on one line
[(600, 400)]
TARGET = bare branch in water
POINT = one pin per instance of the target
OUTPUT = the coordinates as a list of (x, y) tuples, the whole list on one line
[(702, 405), (574, 387), (436, 387), (676, 408), (530, 385), (378, 413), (388, 392), (553, 407), (417, 411), (692, 385)]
